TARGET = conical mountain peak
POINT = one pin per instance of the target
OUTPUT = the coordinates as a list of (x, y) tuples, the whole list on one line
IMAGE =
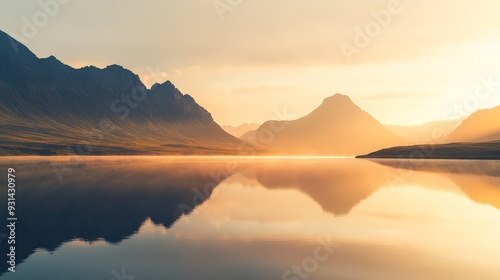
[(337, 100), (338, 97), (337, 127)]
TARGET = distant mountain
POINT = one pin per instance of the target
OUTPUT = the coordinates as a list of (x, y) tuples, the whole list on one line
[(337, 127), (482, 150), (238, 131), (250, 136), (47, 107), (483, 125), (435, 132)]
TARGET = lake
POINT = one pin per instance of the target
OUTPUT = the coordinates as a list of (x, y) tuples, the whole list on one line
[(260, 218)]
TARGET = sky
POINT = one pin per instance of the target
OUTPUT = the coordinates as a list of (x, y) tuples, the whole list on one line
[(405, 62)]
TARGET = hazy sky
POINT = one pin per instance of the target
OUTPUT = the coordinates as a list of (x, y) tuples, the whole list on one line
[(246, 60)]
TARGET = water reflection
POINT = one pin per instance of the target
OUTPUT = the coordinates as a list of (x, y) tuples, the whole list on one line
[(254, 219), (99, 199), (480, 180)]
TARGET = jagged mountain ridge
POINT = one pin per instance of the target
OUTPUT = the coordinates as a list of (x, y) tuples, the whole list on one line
[(47, 106)]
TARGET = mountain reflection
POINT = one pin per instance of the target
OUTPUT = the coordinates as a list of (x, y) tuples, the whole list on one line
[(337, 186), (478, 179), (106, 200), (110, 198)]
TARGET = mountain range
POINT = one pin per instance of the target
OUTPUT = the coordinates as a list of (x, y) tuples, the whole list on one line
[(49, 108)]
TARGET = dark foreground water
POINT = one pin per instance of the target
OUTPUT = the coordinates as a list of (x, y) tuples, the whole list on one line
[(223, 218)]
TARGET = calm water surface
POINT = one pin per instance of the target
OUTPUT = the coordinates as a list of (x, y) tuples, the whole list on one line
[(239, 218)]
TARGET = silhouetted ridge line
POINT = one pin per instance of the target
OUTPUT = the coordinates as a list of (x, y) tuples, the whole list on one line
[(47, 107)]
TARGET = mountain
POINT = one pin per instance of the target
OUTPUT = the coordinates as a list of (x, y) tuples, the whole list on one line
[(238, 131), (478, 137), (336, 127), (250, 136), (435, 132), (47, 108), (481, 126), (481, 150)]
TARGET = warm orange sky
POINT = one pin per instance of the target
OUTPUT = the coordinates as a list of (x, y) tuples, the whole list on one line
[(260, 57)]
